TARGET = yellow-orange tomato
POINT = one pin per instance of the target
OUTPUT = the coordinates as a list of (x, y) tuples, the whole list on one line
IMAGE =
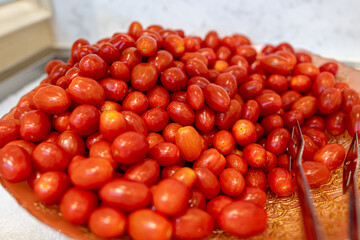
[(189, 142)]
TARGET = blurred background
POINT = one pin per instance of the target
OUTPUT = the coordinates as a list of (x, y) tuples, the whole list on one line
[(33, 31)]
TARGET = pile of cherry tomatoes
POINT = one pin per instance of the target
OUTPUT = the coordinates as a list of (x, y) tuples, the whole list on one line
[(159, 135)]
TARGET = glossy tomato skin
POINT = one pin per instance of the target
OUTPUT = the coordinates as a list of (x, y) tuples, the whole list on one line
[(335, 123), (251, 111), (51, 186), (146, 171), (274, 64), (195, 97), (161, 60), (148, 224), (52, 99), (102, 149), (84, 120), (93, 66), (232, 182), (323, 81), (329, 100), (135, 101), (307, 69), (107, 222), (77, 204), (115, 90), (281, 182), (125, 195), (90, 173), (50, 157), (353, 120), (255, 177), (181, 112), (15, 164), (72, 143), (111, 124), (120, 70), (207, 182), (144, 76), (34, 126), (224, 142), (318, 137), (216, 97), (155, 119), (186, 176), (204, 119), (306, 105), (135, 122), (237, 162), (158, 97), (271, 122), (242, 219), (129, 147), (212, 160), (316, 173), (332, 155), (189, 142), (269, 103), (154, 139), (254, 195), (215, 205), (255, 155), (165, 153), (194, 223), (26, 145), (85, 90), (226, 120), (350, 98), (174, 79), (288, 98), (130, 57), (278, 140), (244, 132), (170, 197), (169, 132), (9, 131)]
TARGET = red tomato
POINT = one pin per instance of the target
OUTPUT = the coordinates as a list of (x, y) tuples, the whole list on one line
[(135, 101), (251, 111), (154, 139), (102, 149), (204, 119), (35, 126), (15, 164), (169, 132), (254, 195), (186, 176), (130, 57), (232, 182), (52, 99), (281, 182), (107, 222), (244, 132), (350, 98), (155, 119), (207, 182), (352, 120), (112, 124), (26, 145), (242, 219), (85, 90), (90, 173), (173, 79), (316, 173), (9, 131), (51, 186), (135, 122), (50, 157), (237, 162), (278, 140), (226, 120), (161, 60), (194, 223), (125, 195), (189, 142), (216, 97), (323, 81), (148, 224), (170, 197), (215, 205), (114, 89), (158, 97), (77, 204), (129, 147), (71, 143), (275, 64), (329, 100), (255, 155), (174, 44), (165, 153), (255, 177), (224, 142), (120, 70), (146, 45), (332, 155), (146, 171), (181, 113), (212, 160), (195, 97), (335, 123), (144, 76), (84, 120), (93, 66), (269, 103)]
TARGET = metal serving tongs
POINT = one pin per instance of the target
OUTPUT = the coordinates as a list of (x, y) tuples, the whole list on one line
[(310, 220), (350, 170), (350, 173)]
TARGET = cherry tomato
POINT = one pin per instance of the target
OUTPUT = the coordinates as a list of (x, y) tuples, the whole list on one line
[(135, 101), (158, 97), (329, 67), (169, 132), (329, 100), (135, 122), (107, 222), (166, 154), (84, 120), (306, 105), (212, 160), (51, 186), (315, 122), (317, 136), (146, 45), (125, 195), (173, 79), (144, 76), (85, 90), (71, 143), (77, 204), (52, 99), (181, 113), (244, 132), (352, 120), (195, 97), (34, 126), (281, 182), (174, 44), (251, 111), (154, 139), (271, 122), (237, 162), (207, 182), (148, 224), (130, 57), (162, 60), (332, 155), (316, 173), (216, 97), (186, 176), (255, 177), (232, 182), (335, 123), (194, 223), (50, 157), (224, 142), (215, 205), (255, 155), (90, 173), (277, 83), (93, 66), (9, 131), (254, 195), (15, 163), (350, 98), (114, 89), (111, 124), (129, 147), (102, 149), (251, 89), (307, 69), (269, 103), (120, 70), (26, 145), (189, 142), (288, 98), (146, 171), (110, 105), (291, 117), (226, 120), (242, 219), (274, 64), (205, 119)]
